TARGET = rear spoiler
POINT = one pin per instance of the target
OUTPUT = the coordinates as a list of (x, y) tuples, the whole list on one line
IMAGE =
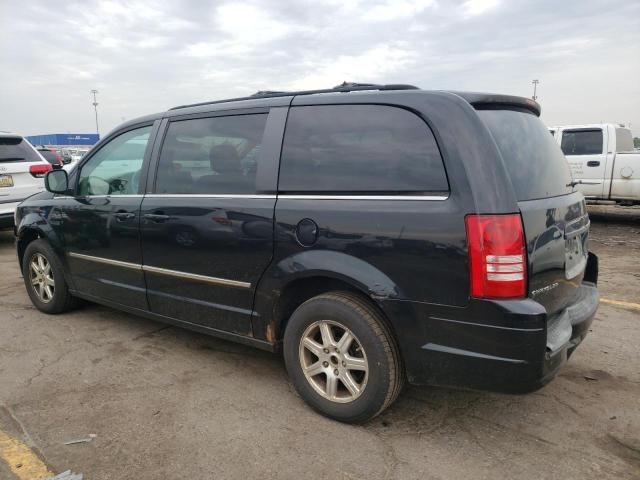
[(495, 101)]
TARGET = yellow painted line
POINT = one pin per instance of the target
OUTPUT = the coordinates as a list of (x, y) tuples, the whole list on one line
[(620, 303), (22, 461)]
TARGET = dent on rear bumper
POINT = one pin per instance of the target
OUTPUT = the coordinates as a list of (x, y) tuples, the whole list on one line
[(489, 345), (567, 329)]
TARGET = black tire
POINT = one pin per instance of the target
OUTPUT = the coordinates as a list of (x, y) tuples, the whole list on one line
[(385, 372), (61, 301)]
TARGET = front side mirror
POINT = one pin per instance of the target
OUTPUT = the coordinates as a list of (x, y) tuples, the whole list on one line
[(56, 181)]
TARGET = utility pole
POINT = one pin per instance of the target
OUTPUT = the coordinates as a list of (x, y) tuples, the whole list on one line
[(535, 88), (95, 107)]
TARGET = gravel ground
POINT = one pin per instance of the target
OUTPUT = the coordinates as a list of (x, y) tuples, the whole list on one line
[(168, 403)]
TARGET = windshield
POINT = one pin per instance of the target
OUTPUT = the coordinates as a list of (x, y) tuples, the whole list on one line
[(533, 159)]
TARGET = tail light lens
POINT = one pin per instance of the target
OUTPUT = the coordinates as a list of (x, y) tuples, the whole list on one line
[(41, 170), (497, 256)]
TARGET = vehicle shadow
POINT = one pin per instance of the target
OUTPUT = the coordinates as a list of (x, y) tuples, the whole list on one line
[(614, 214), (6, 237)]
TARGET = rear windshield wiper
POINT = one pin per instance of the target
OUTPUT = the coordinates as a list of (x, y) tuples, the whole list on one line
[(573, 183)]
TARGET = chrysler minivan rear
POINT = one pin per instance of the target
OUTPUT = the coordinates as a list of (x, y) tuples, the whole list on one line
[(537, 255)]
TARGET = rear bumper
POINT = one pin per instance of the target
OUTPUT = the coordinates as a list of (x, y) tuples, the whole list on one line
[(505, 346), (7, 209)]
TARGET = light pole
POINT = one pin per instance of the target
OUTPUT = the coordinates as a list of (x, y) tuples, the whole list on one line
[(535, 88), (95, 107)]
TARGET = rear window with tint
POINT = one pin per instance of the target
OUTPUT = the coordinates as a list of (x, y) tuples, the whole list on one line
[(359, 149), (16, 149), (582, 142), (533, 160), (216, 155)]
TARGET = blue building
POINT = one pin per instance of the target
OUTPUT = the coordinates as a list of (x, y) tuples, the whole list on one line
[(64, 139)]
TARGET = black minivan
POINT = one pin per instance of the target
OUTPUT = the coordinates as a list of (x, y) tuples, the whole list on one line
[(372, 233)]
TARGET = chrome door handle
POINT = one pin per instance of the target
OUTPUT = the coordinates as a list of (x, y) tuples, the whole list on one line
[(155, 217), (124, 215)]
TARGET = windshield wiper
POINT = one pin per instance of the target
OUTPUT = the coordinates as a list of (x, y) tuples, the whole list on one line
[(12, 159)]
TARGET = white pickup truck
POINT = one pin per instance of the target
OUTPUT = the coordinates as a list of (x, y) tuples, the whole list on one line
[(602, 161)]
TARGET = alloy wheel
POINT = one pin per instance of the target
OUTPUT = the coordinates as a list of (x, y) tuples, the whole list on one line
[(333, 361), (41, 277)]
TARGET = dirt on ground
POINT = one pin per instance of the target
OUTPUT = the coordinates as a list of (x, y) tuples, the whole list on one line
[(168, 403)]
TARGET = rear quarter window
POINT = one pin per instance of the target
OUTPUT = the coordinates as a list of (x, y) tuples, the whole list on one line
[(531, 156), (624, 140), (359, 149)]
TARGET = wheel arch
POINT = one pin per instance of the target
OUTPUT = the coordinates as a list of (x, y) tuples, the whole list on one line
[(23, 240), (299, 290), (295, 279), (32, 228)]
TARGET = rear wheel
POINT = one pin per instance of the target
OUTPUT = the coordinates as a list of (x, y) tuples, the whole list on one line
[(44, 279), (342, 358)]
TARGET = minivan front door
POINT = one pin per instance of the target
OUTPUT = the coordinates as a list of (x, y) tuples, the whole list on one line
[(207, 225), (99, 224)]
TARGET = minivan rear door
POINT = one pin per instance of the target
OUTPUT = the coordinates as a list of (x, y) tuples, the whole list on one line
[(554, 215)]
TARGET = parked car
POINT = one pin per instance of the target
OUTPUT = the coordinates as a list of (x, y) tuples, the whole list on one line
[(602, 160), (52, 156), (78, 153), (22, 171), (65, 153), (380, 234)]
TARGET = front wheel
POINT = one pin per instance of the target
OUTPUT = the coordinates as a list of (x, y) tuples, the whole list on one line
[(44, 279), (342, 358)]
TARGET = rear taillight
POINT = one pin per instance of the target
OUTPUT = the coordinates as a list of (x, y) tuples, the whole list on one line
[(41, 170), (497, 257)]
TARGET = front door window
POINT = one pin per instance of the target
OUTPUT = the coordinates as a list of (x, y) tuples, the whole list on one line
[(115, 168)]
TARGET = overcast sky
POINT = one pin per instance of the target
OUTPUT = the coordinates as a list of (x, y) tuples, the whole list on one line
[(145, 56)]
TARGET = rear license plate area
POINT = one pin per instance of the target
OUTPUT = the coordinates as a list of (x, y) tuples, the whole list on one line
[(6, 181)]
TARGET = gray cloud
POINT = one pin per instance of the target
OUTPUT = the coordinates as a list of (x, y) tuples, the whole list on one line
[(147, 56)]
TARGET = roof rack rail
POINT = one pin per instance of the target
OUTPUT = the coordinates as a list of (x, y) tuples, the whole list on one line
[(261, 93), (343, 87)]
